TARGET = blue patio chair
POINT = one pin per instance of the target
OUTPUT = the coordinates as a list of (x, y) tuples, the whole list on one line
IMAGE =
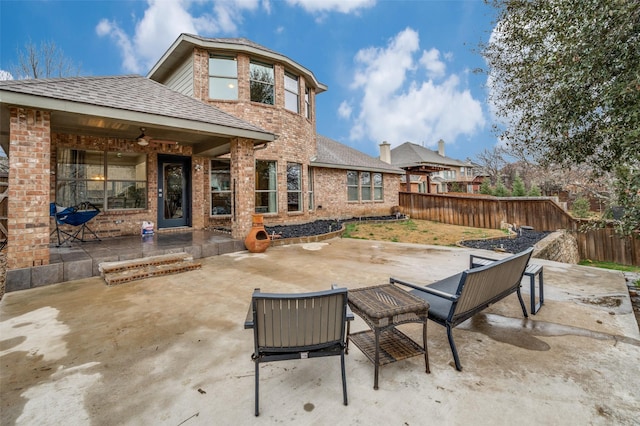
[(77, 217)]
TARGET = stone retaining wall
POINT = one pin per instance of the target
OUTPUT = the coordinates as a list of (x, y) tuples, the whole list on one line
[(560, 246)]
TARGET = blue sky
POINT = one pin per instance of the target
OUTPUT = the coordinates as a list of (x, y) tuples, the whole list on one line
[(396, 70)]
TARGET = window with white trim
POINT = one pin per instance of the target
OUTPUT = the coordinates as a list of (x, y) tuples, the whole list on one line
[(261, 83), (220, 183), (291, 93), (353, 192), (266, 192), (312, 205), (223, 78), (109, 180), (364, 186), (294, 187), (307, 103)]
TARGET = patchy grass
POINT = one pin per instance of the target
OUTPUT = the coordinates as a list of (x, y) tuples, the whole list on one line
[(418, 231), (610, 265)]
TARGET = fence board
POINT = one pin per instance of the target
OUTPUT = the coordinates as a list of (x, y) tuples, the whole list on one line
[(541, 213)]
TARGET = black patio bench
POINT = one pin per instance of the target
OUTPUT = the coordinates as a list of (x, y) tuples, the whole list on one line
[(532, 271), (457, 298)]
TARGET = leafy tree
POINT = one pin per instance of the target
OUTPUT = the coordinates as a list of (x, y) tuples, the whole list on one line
[(565, 85), (44, 61), (518, 189), (629, 189)]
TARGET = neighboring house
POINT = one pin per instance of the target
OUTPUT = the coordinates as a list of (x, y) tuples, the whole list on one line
[(432, 171), (219, 129)]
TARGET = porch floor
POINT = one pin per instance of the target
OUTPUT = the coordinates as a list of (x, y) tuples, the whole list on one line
[(77, 260)]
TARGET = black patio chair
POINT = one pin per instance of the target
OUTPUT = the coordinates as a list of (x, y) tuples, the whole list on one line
[(76, 217), (298, 326)]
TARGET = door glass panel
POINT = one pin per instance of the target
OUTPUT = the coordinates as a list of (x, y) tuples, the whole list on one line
[(173, 187)]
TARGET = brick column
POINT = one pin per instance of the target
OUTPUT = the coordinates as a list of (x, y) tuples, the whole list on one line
[(243, 186), (29, 176), (199, 193)]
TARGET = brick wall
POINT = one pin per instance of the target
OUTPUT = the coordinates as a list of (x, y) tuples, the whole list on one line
[(296, 143), (128, 222), (28, 195), (331, 196)]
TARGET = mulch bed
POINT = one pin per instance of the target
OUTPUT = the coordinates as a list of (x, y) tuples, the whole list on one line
[(323, 226), (523, 239)]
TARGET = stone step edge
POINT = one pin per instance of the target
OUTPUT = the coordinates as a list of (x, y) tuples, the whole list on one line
[(147, 271), (123, 265)]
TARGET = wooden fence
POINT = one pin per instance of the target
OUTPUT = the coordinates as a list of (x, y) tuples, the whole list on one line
[(541, 213)]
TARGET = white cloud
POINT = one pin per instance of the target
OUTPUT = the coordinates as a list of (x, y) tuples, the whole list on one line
[(163, 21), (431, 61), (342, 6), (344, 110), (397, 105), (5, 75)]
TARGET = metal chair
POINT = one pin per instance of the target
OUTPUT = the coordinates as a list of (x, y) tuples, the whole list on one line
[(298, 326), (76, 216)]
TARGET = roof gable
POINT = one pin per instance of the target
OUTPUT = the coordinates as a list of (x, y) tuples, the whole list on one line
[(185, 43)]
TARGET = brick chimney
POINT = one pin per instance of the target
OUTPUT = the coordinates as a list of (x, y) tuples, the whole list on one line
[(441, 147), (385, 152)]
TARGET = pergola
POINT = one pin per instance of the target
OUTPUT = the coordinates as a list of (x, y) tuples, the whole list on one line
[(422, 169)]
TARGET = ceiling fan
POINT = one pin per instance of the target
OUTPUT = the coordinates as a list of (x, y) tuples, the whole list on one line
[(143, 139)]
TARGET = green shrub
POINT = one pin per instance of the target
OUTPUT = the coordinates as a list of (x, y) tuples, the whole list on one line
[(580, 207), (518, 189), (535, 191), (485, 187), (501, 190)]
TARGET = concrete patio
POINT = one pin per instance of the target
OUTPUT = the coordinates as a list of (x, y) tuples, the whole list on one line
[(172, 350)]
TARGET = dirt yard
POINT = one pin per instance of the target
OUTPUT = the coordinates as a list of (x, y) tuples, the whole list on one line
[(419, 232)]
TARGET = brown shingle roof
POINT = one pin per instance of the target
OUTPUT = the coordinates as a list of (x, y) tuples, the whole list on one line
[(333, 154), (410, 154), (129, 92)]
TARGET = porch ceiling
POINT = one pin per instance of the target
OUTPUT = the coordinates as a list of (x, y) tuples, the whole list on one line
[(204, 142)]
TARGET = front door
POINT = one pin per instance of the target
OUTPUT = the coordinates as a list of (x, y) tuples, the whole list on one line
[(174, 190)]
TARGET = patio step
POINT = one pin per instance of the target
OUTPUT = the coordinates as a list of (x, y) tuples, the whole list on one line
[(125, 271)]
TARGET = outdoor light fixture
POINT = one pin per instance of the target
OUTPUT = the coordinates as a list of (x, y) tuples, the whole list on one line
[(142, 139)]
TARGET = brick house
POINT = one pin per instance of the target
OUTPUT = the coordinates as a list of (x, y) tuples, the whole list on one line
[(218, 130)]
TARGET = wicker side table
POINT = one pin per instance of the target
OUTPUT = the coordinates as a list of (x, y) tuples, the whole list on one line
[(383, 307)]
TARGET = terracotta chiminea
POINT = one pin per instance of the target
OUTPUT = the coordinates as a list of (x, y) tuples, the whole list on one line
[(257, 241)]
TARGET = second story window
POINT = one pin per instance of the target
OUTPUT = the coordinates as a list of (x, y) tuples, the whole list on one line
[(261, 79), (291, 92), (307, 103), (223, 78)]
